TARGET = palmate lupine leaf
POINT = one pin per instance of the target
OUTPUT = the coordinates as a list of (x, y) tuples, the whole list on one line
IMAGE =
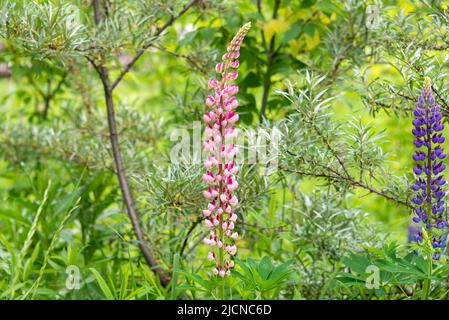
[(262, 275)]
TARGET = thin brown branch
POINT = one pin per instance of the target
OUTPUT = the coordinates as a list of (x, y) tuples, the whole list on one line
[(331, 149), (270, 52), (186, 238), (438, 48), (336, 176), (123, 181), (97, 11), (125, 188), (51, 93), (154, 37), (197, 243), (442, 100), (421, 74), (264, 41), (189, 59), (351, 181)]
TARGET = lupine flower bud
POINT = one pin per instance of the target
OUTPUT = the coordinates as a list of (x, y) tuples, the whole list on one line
[(219, 67), (210, 101), (429, 197), (213, 84), (211, 256), (206, 195), (221, 169), (233, 201), (206, 213), (208, 223), (232, 103), (232, 75), (232, 90)]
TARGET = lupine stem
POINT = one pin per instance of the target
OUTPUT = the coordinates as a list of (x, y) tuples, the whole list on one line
[(220, 172), (426, 285), (223, 289)]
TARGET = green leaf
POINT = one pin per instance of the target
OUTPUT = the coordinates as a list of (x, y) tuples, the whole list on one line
[(350, 280), (397, 268), (356, 263), (124, 271), (265, 267), (293, 32), (307, 3), (174, 280), (197, 279), (187, 39), (282, 269), (251, 80), (102, 283)]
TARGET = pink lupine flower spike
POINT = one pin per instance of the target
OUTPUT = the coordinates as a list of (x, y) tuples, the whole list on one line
[(221, 169)]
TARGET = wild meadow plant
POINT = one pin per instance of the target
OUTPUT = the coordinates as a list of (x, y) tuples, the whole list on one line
[(429, 198), (221, 169), (387, 270)]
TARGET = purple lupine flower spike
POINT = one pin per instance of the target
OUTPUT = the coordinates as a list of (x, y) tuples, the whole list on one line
[(429, 194)]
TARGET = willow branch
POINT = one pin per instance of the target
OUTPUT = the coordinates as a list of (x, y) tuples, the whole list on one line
[(352, 182), (186, 238), (125, 188), (142, 50), (189, 59)]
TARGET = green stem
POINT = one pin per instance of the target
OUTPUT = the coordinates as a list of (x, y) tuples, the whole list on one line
[(223, 289), (220, 188), (221, 258), (426, 286)]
